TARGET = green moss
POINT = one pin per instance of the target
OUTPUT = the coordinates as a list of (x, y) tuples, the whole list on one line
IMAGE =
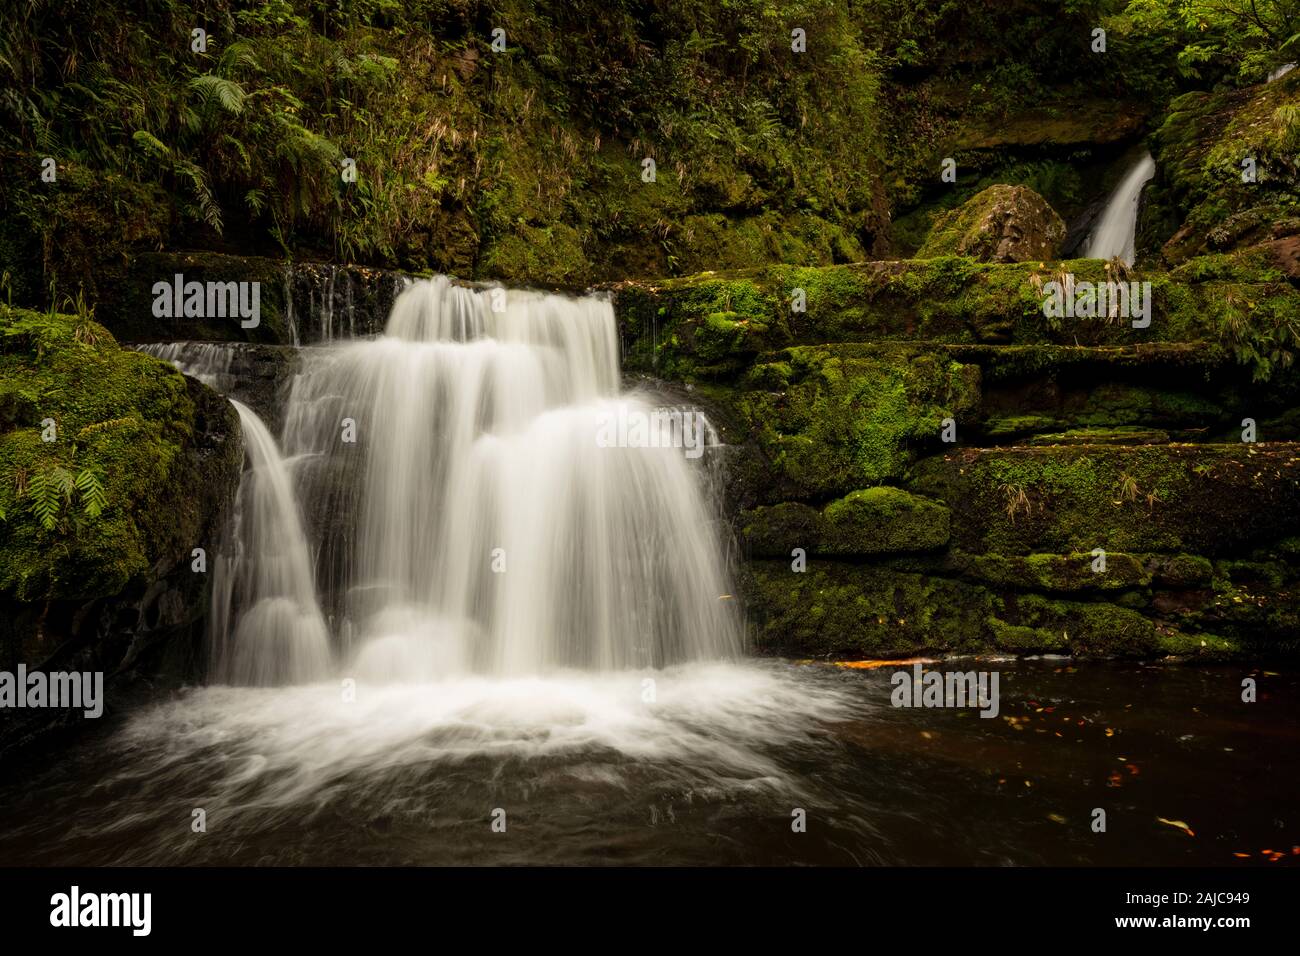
[(1089, 629), (539, 255), (1247, 311), (1055, 572), (1182, 571), (883, 519), (122, 416), (1119, 435), (1202, 647), (1020, 639), (1000, 224), (868, 522), (841, 610), (849, 419), (1209, 499), (1199, 193), (776, 530)]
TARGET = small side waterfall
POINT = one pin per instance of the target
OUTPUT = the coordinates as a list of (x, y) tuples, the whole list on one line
[(266, 627), (1116, 228)]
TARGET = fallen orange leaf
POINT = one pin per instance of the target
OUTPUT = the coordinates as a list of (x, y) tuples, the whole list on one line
[(871, 664)]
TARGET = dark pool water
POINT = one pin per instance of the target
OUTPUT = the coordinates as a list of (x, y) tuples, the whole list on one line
[(708, 771)]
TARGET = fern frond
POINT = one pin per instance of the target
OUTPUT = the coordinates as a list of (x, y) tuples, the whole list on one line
[(49, 490), (91, 491), (105, 425), (228, 93), (151, 144)]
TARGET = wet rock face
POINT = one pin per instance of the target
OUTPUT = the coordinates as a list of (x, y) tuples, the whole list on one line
[(1000, 224), (300, 303)]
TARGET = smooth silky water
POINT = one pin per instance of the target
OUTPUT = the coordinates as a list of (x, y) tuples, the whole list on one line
[(1115, 233), (475, 606)]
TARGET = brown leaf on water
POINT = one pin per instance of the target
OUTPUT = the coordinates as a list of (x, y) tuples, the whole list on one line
[(872, 664)]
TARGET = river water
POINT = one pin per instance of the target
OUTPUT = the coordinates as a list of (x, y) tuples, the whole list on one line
[(706, 765)]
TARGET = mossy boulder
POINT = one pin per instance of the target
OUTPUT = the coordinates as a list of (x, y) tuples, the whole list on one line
[(100, 524), (834, 609), (1000, 224), (871, 521), (113, 466), (827, 420)]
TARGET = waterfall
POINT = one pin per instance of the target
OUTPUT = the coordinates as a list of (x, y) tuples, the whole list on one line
[(209, 362), (465, 515), (476, 525), (1116, 228), (266, 627)]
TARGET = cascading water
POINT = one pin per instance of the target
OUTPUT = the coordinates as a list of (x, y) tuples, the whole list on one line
[(1115, 233), (502, 587), (475, 525), (266, 626)]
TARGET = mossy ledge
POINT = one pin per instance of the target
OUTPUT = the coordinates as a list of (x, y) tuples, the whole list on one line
[(713, 325)]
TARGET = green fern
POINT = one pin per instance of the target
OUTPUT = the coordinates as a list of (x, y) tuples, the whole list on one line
[(183, 168), (91, 492), (228, 93), (49, 490)]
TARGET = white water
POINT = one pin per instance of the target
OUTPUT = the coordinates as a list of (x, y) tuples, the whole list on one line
[(479, 527), (266, 627), (475, 526), (1116, 228), (603, 651), (209, 362)]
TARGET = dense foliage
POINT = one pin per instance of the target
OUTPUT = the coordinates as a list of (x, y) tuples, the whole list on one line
[(526, 164)]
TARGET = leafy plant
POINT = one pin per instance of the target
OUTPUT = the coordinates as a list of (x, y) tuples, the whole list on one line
[(54, 490)]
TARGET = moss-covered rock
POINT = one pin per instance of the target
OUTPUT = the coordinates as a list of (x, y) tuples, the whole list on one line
[(1200, 191), (1074, 573), (1242, 303), (1085, 629), (1000, 224), (842, 418), (1207, 499), (871, 521), (835, 609), (104, 477)]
